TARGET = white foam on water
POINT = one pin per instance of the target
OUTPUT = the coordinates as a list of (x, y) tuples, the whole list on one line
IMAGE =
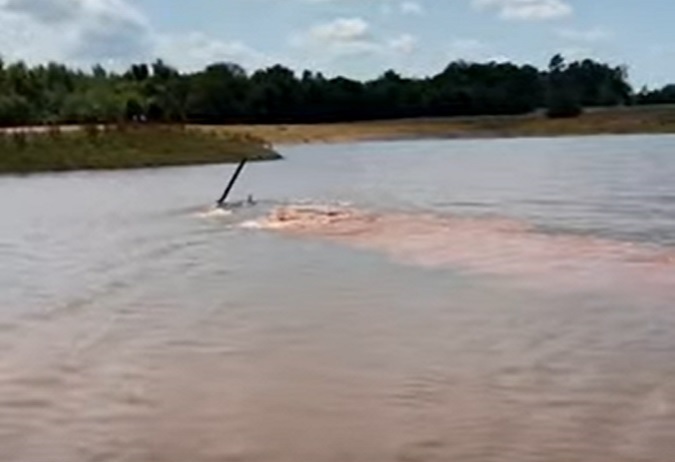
[(305, 216), (215, 212), (252, 224)]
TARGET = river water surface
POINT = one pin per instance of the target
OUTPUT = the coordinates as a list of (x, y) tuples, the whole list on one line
[(500, 301)]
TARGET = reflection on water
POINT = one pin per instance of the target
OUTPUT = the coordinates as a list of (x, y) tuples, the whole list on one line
[(468, 301)]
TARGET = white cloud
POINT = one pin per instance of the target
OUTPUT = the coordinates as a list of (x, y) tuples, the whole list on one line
[(193, 51), (43, 10), (404, 44), (341, 30), (596, 34), (23, 39), (111, 32), (339, 37), (532, 10), (411, 7), (387, 7), (350, 36), (74, 30)]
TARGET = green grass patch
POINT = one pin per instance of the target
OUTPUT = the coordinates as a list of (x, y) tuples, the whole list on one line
[(124, 146)]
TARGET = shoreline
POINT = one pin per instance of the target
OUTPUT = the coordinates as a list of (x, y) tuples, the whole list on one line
[(642, 120), (74, 147), (58, 149)]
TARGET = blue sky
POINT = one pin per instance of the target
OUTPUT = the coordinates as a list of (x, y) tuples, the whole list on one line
[(358, 38)]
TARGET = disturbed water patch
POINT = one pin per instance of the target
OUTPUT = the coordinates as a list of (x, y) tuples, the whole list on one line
[(490, 245)]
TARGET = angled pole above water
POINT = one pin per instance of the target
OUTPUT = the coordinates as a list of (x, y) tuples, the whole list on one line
[(222, 200)]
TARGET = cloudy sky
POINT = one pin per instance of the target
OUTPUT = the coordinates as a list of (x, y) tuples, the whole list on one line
[(358, 38)]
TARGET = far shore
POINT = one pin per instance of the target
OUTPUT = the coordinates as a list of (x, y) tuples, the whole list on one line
[(634, 120), (611, 121)]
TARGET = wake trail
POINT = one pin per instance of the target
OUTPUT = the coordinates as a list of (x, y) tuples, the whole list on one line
[(501, 246)]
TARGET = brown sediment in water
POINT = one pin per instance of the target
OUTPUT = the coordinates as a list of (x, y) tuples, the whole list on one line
[(484, 245)]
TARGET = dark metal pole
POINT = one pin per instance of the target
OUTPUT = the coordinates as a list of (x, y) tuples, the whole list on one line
[(232, 181)]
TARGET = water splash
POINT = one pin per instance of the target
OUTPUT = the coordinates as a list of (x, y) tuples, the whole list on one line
[(214, 212)]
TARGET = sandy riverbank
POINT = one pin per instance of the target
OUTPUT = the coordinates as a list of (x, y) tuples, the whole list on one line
[(638, 120)]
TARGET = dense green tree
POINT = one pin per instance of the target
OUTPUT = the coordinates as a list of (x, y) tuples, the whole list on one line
[(218, 94), (226, 93), (563, 94), (138, 73), (14, 110), (134, 110), (665, 95)]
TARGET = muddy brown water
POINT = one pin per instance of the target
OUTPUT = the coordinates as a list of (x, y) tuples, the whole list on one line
[(411, 301)]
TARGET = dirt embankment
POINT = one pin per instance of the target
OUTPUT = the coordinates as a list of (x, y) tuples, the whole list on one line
[(638, 120)]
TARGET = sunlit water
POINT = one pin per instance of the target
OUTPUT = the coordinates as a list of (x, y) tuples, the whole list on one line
[(415, 301)]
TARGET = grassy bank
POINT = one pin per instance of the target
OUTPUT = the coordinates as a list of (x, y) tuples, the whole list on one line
[(118, 147), (635, 120)]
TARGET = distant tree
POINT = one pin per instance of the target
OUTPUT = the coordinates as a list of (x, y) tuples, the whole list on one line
[(557, 64), (163, 72), (665, 95), (134, 110), (138, 72), (276, 94), (99, 72), (14, 110), (218, 94), (563, 94), (156, 112)]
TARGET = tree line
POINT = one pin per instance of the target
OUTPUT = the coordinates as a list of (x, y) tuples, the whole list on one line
[(665, 95), (225, 93)]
